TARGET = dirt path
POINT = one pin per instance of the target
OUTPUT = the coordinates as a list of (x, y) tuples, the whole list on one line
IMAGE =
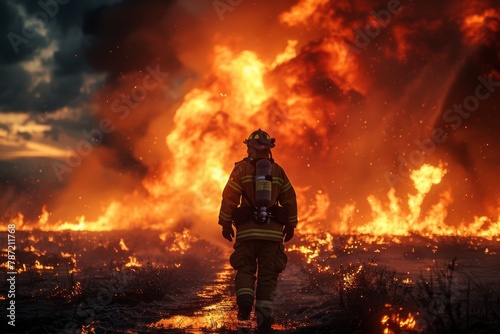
[(208, 305), (298, 304)]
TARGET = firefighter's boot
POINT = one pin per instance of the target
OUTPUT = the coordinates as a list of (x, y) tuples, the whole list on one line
[(264, 320), (245, 303)]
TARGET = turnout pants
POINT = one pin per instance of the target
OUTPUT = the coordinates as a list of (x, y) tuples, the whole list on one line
[(261, 261)]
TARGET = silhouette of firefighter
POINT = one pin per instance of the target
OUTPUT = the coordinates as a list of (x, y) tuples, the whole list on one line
[(260, 202)]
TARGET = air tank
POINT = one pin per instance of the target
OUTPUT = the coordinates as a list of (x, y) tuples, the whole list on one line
[(263, 183)]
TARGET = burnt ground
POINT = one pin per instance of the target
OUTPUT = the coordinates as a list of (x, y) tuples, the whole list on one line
[(123, 282)]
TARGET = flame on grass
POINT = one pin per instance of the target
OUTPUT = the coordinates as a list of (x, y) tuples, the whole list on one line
[(181, 242), (394, 218), (398, 321), (40, 266), (391, 219), (133, 263)]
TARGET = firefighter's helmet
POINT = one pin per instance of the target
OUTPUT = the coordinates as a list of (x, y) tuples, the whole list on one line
[(260, 140)]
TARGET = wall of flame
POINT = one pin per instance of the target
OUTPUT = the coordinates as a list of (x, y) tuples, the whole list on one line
[(341, 119)]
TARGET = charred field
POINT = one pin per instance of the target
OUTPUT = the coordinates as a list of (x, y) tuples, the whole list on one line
[(150, 282)]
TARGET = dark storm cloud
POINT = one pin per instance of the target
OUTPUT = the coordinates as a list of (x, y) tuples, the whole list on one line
[(60, 92), (28, 183), (69, 58), (13, 87), (10, 21), (66, 68), (16, 94)]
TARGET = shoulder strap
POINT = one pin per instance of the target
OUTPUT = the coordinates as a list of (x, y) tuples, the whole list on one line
[(247, 198)]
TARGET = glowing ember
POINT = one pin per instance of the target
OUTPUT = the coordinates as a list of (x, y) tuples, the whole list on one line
[(133, 262), (348, 278), (39, 266), (476, 26), (123, 246), (72, 258)]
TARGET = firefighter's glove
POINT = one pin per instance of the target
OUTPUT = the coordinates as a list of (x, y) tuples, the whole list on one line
[(288, 233), (228, 232)]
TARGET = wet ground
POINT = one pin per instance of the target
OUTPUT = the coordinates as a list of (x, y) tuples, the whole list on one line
[(209, 307), (118, 287), (219, 314)]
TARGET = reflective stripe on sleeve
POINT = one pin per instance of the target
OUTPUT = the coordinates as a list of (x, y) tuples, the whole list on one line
[(235, 186), (224, 216), (286, 187), (247, 179)]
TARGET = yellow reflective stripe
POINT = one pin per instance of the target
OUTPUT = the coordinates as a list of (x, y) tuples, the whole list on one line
[(244, 291), (259, 233), (292, 219), (247, 179), (277, 237), (265, 186), (258, 230), (235, 186), (286, 187), (264, 303), (277, 180)]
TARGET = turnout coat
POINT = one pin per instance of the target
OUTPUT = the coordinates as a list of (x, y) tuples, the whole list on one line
[(241, 185)]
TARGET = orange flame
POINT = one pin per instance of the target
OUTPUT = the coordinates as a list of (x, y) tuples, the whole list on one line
[(396, 319), (477, 26), (133, 262), (243, 90), (391, 219)]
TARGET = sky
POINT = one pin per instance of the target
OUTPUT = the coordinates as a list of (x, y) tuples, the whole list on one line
[(47, 86), (120, 75)]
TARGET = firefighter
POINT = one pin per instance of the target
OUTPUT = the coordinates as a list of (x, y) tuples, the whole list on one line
[(260, 202)]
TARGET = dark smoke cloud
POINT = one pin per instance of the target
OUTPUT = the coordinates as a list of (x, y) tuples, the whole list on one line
[(370, 130)]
